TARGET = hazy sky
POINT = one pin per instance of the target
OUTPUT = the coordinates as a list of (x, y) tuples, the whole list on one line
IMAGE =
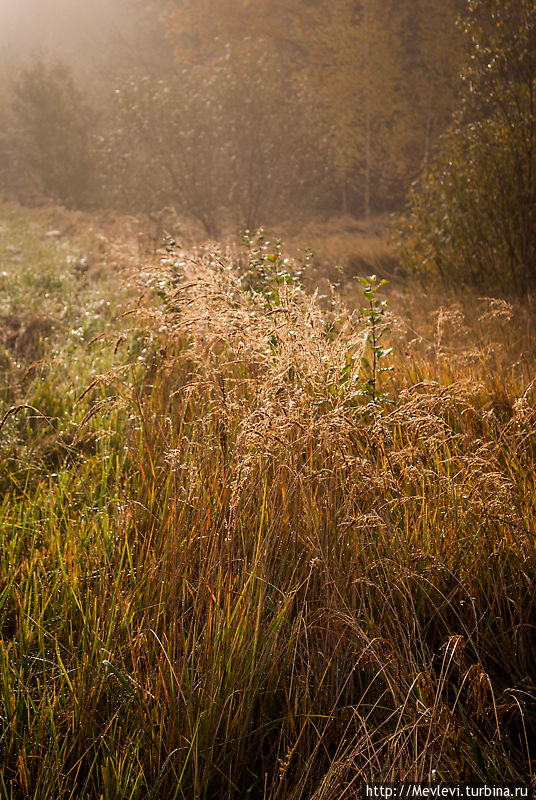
[(79, 30)]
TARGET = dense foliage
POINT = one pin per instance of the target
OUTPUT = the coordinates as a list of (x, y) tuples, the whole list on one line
[(54, 130), (236, 113), (473, 217)]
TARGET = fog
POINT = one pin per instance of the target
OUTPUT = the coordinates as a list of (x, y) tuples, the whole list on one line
[(232, 112), (89, 35)]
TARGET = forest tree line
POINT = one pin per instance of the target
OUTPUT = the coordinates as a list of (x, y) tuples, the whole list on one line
[(241, 112), (236, 111)]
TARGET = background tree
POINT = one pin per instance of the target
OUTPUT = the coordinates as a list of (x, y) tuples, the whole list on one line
[(55, 124), (241, 111), (348, 59), (427, 55), (473, 216), (379, 97), (227, 140), (9, 181)]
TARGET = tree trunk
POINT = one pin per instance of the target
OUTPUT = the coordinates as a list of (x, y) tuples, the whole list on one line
[(368, 120)]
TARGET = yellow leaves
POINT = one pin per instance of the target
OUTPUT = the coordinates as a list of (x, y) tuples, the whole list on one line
[(204, 20)]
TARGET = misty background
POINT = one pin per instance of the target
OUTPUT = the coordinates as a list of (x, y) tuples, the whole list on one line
[(232, 113), (85, 34)]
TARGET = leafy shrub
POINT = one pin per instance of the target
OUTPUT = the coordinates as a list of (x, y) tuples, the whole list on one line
[(228, 142), (471, 218), (55, 140)]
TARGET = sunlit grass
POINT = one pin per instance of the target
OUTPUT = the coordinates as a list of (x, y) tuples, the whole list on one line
[(235, 579)]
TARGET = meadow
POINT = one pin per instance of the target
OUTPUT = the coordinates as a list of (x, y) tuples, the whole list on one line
[(258, 540)]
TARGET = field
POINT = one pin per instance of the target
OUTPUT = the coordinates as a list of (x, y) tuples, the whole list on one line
[(257, 541)]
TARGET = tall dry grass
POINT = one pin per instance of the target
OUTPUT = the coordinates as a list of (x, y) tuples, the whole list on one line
[(280, 590)]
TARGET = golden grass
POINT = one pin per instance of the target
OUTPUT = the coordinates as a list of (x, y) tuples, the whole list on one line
[(279, 590)]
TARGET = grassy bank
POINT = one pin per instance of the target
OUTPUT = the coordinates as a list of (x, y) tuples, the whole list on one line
[(225, 571)]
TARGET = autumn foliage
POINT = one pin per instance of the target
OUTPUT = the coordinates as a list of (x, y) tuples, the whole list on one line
[(239, 113)]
